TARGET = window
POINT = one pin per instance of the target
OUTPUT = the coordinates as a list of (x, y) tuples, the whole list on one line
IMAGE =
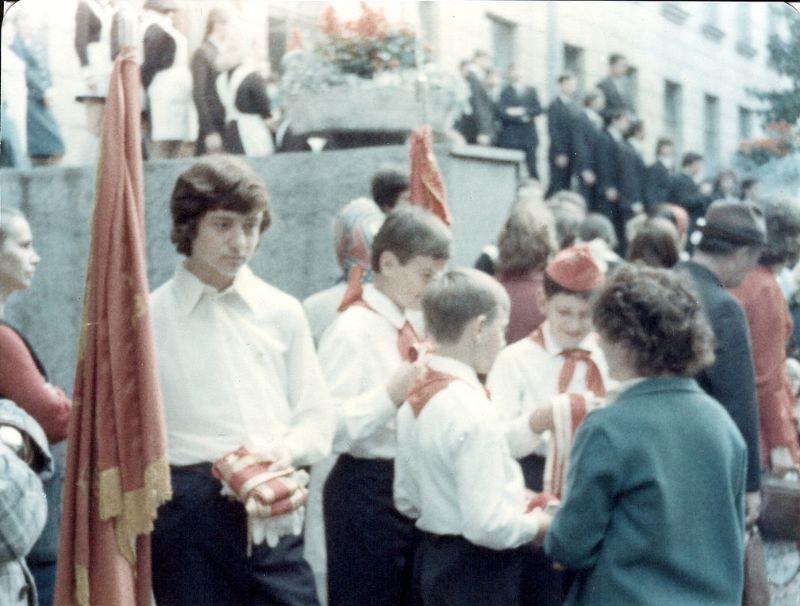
[(673, 113), (745, 124), (574, 63), (711, 22), (744, 34), (504, 35), (711, 132)]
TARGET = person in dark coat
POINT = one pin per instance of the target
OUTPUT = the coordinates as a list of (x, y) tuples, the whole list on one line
[(614, 86), (517, 109), (613, 189), (653, 507), (587, 134), (45, 144), (561, 114), (635, 168), (658, 183), (476, 125), (93, 19), (210, 113), (733, 238), (686, 191)]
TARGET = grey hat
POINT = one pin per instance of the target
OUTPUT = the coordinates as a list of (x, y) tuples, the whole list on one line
[(163, 6), (736, 222)]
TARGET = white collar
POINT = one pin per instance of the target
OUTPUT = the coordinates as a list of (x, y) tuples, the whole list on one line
[(588, 343), (616, 135), (384, 306), (190, 289), (454, 367)]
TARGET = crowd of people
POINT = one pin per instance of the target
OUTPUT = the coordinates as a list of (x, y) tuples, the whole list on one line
[(575, 428)]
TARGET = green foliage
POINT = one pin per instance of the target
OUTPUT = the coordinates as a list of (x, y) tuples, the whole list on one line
[(785, 58)]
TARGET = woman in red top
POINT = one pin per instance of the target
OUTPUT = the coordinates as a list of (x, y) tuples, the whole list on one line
[(525, 244), (770, 329), (22, 376)]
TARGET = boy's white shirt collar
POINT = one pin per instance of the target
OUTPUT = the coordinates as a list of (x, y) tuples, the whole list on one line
[(190, 288), (384, 306), (454, 367), (589, 342)]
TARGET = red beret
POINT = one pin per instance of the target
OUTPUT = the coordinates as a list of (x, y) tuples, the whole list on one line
[(575, 269)]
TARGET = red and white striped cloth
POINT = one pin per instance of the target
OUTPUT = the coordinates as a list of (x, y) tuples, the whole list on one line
[(569, 411), (273, 499)]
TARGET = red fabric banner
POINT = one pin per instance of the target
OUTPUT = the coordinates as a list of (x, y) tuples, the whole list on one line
[(117, 470), (426, 185)]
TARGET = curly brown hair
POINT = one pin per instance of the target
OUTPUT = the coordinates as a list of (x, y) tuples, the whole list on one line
[(527, 239), (655, 314), (214, 183)]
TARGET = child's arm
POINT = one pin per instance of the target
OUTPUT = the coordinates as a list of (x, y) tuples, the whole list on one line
[(406, 491)]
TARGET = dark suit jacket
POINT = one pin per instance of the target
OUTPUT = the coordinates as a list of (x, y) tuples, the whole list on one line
[(518, 132), (614, 99), (560, 118), (655, 486), (611, 163), (633, 168), (685, 192), (658, 184), (210, 113), (481, 120), (587, 140), (731, 379)]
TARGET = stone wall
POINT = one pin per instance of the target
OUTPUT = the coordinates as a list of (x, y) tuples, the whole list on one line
[(296, 253)]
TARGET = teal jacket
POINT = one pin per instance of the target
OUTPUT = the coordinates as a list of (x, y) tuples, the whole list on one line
[(654, 508)]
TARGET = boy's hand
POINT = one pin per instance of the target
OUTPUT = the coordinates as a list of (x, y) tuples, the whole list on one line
[(541, 420), (544, 520), (279, 458), (402, 380)]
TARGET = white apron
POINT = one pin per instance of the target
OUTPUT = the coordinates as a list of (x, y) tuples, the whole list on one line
[(173, 116), (14, 91), (99, 53), (253, 131)]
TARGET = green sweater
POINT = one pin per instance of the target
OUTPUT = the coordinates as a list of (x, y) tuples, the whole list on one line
[(654, 507)]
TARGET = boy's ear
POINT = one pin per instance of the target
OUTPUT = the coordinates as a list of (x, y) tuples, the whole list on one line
[(387, 262)]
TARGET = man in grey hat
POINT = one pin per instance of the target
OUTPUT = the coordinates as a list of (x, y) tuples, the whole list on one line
[(733, 238)]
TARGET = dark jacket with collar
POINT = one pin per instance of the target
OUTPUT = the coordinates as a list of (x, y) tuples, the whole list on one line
[(560, 117), (658, 184), (614, 98), (518, 132), (731, 379), (686, 192), (655, 488)]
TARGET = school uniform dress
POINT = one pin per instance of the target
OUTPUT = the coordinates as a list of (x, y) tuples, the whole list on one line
[(93, 20), (237, 368), (455, 476), (369, 543), (243, 94), (44, 138), (210, 113), (654, 512), (167, 80)]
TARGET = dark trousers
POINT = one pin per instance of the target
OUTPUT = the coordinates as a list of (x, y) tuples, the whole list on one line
[(451, 571), (559, 178), (541, 584), (200, 552), (370, 545)]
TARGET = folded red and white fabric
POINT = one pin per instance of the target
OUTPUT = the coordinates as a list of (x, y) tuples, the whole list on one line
[(569, 411), (273, 500)]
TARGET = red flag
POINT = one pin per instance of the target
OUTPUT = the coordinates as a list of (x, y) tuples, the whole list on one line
[(426, 186), (117, 470)]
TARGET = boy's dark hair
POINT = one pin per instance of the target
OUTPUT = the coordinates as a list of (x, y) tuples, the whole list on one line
[(566, 76), (597, 225), (460, 295), (748, 184), (636, 127), (662, 143), (410, 232), (214, 183), (387, 185), (690, 158), (553, 288), (615, 58), (656, 244)]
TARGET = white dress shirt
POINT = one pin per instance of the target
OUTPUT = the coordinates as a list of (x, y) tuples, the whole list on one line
[(238, 368), (454, 472), (525, 377), (322, 309), (358, 355)]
